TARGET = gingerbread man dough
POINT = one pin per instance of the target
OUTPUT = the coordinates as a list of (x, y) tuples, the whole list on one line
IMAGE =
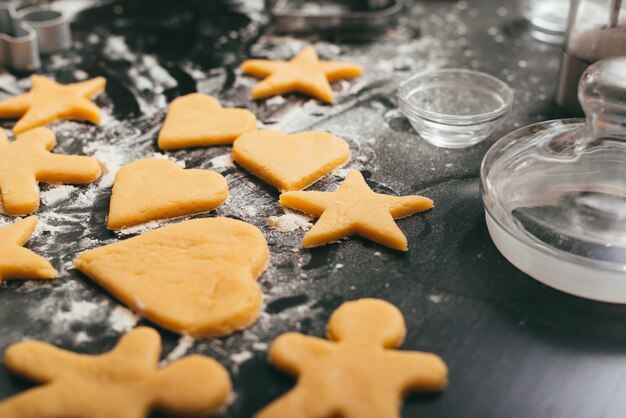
[(17, 262), (28, 160), (49, 101), (357, 374), (124, 383)]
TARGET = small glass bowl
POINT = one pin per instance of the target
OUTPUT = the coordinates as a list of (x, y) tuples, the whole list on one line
[(454, 108)]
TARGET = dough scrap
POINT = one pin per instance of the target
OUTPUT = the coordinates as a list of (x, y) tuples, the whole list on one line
[(354, 209), (290, 162), (198, 120), (49, 101), (304, 73), (28, 160), (357, 373), (17, 262), (123, 383), (150, 189), (196, 277)]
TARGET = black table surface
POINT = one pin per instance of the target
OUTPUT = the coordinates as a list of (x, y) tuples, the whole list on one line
[(514, 347)]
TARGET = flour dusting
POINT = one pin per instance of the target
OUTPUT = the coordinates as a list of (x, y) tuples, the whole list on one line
[(182, 347), (122, 319), (289, 222)]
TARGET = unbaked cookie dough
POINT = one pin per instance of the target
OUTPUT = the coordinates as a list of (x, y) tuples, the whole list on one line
[(197, 120), (28, 160), (151, 189), (197, 277), (48, 101), (355, 209), (123, 383), (357, 373), (17, 262), (290, 162), (304, 73)]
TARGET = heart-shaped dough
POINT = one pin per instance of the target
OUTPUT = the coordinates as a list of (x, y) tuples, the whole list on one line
[(151, 188), (290, 162), (197, 277), (197, 120)]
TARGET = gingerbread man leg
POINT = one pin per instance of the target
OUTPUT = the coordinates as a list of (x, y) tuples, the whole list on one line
[(20, 193), (300, 403), (36, 403)]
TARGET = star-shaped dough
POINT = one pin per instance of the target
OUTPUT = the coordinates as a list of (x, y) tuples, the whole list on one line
[(357, 373), (123, 383), (17, 262), (28, 160), (355, 209), (304, 73), (48, 101)]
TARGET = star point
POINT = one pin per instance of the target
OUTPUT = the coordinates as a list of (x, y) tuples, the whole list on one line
[(304, 73), (354, 209), (17, 262), (49, 101)]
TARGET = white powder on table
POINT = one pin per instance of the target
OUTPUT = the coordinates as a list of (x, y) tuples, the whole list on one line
[(289, 222), (56, 193), (123, 319), (185, 343), (222, 161)]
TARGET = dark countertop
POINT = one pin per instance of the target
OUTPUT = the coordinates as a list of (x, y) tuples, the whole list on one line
[(514, 347)]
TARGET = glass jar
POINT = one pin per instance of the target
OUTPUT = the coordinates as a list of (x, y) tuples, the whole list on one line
[(555, 192), (596, 30)]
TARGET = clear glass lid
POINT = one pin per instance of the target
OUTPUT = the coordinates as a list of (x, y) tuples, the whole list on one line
[(555, 192)]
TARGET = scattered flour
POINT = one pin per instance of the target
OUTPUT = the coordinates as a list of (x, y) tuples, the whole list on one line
[(57, 193), (435, 298), (82, 338), (122, 319), (117, 49), (240, 358), (79, 311), (108, 155), (289, 222), (184, 344), (224, 160), (260, 346), (275, 101)]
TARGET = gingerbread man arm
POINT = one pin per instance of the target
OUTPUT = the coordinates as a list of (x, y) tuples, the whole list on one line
[(56, 168), (417, 371), (41, 362), (75, 169), (291, 351), (193, 386)]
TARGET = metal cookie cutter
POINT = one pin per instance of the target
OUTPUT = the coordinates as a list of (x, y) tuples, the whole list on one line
[(363, 16), (29, 32)]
